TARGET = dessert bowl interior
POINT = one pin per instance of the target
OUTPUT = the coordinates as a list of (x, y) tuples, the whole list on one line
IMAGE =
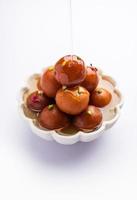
[(71, 135)]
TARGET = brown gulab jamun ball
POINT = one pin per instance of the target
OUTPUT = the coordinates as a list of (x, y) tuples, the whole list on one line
[(52, 118), (36, 101), (48, 83), (91, 118), (100, 97), (91, 80), (72, 100), (70, 70)]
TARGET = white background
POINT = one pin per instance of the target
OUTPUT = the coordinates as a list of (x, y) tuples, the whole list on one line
[(34, 34)]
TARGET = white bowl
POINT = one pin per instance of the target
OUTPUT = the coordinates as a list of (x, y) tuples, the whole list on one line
[(111, 113)]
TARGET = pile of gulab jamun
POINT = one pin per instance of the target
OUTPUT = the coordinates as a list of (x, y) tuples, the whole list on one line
[(68, 95)]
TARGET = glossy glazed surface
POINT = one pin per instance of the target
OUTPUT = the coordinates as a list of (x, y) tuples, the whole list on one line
[(89, 119), (48, 83), (91, 80), (70, 70), (100, 97), (72, 100), (36, 101), (52, 118)]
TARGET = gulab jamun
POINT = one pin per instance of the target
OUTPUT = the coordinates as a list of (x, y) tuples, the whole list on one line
[(48, 83), (36, 101), (91, 80), (91, 118), (52, 118), (70, 70), (100, 97), (72, 100)]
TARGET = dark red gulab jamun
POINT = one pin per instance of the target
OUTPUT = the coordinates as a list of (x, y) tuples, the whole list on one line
[(100, 97), (70, 70), (52, 118), (72, 100), (91, 80), (48, 83), (90, 119), (36, 101)]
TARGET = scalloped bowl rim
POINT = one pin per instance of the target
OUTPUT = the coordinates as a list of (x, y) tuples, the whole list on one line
[(80, 135)]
